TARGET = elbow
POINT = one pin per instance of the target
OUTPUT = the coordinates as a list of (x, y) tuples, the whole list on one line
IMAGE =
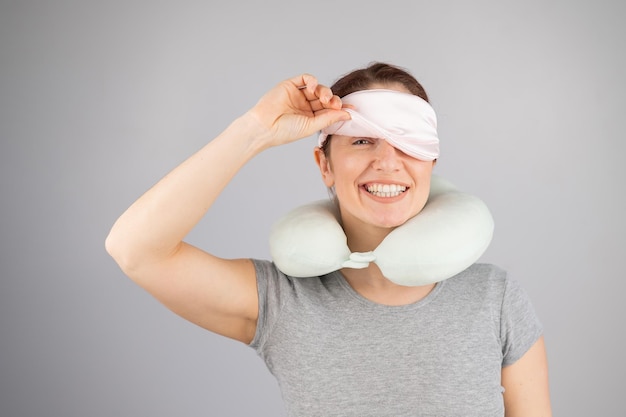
[(135, 256), (111, 246), (121, 251)]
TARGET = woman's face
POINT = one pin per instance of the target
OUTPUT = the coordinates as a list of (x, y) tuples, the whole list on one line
[(375, 183)]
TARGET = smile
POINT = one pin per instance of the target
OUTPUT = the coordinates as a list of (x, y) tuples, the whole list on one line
[(385, 190)]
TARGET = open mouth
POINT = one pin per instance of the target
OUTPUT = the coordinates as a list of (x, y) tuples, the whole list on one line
[(385, 190)]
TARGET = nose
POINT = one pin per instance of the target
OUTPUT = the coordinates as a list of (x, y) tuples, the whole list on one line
[(387, 158)]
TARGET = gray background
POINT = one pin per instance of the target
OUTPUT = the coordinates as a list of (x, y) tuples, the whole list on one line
[(101, 99)]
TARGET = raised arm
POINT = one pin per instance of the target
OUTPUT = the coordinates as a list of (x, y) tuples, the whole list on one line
[(147, 240)]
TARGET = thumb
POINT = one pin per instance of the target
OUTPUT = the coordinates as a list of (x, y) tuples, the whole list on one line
[(328, 117)]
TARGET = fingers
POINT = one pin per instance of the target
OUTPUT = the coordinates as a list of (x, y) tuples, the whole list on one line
[(314, 103), (335, 103), (310, 85), (328, 117), (319, 96)]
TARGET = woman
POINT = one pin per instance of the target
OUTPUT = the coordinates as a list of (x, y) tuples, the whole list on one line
[(351, 342)]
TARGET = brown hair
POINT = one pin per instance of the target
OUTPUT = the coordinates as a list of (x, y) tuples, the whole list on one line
[(374, 73)]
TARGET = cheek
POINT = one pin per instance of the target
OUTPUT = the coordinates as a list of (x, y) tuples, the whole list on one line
[(345, 174), (337, 175), (422, 174), (423, 197), (329, 179)]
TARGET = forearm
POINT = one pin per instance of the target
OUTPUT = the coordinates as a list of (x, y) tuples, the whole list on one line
[(154, 226)]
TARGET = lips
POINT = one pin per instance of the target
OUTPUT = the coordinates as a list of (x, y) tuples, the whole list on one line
[(385, 190)]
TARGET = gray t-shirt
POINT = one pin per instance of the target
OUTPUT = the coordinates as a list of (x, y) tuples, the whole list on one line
[(335, 353)]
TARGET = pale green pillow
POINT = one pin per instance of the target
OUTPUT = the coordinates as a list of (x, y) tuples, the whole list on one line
[(451, 232)]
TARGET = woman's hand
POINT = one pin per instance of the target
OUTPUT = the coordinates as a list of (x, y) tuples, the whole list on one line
[(297, 108)]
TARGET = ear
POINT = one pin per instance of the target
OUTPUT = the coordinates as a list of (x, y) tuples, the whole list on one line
[(325, 168)]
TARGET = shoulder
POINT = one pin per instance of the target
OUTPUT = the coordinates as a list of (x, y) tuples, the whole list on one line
[(287, 302), (480, 277), (493, 279), (268, 271), (483, 271), (489, 283), (271, 279)]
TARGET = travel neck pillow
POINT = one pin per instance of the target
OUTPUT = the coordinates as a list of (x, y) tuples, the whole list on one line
[(450, 233)]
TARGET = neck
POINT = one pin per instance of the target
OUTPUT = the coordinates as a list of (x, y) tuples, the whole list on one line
[(364, 238), (370, 282)]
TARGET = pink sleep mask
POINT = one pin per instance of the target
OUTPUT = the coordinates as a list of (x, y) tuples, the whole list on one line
[(404, 120)]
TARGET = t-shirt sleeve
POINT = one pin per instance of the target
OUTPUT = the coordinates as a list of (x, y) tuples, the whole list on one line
[(272, 286), (520, 327)]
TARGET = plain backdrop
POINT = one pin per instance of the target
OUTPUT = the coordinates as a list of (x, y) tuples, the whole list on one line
[(100, 99)]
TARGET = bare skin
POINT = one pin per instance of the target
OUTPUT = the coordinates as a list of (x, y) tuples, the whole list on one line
[(220, 295), (147, 240)]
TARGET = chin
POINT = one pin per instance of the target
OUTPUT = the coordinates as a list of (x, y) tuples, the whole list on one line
[(386, 213), (389, 220), (396, 216), (392, 224)]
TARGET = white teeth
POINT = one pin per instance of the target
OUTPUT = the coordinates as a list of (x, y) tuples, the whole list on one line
[(386, 190)]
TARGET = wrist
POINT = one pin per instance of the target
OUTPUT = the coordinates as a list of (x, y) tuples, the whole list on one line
[(248, 127)]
